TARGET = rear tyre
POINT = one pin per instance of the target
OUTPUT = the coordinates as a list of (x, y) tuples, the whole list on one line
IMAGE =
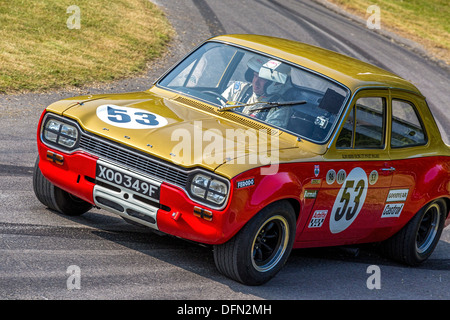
[(56, 198), (261, 248), (416, 241)]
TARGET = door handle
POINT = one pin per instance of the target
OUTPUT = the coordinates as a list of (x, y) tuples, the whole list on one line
[(391, 169)]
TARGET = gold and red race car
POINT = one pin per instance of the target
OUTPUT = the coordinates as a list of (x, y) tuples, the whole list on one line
[(256, 145)]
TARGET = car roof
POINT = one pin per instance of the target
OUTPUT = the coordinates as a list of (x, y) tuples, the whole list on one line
[(349, 71)]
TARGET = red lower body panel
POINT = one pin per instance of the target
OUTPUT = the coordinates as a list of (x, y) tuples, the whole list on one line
[(72, 174), (175, 215), (77, 173)]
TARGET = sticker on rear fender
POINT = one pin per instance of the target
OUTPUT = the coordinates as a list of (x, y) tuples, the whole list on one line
[(392, 210), (131, 181), (397, 195)]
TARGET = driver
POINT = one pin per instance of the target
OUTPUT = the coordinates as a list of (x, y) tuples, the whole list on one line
[(260, 88)]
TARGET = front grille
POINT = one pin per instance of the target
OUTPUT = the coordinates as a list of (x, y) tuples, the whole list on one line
[(133, 159)]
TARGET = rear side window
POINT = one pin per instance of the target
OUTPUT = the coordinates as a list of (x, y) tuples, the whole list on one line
[(367, 132), (407, 128)]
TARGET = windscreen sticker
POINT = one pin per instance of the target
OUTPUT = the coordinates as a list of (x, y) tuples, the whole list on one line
[(349, 200), (129, 118)]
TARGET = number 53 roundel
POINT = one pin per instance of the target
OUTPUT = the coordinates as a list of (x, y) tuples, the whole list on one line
[(349, 201), (129, 118)]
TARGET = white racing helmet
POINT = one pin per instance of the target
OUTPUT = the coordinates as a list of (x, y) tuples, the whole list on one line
[(256, 63), (275, 71)]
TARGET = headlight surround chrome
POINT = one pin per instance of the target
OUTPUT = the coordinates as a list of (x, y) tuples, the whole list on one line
[(208, 189), (60, 134)]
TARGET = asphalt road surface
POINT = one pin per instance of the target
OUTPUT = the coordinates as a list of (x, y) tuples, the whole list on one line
[(44, 255)]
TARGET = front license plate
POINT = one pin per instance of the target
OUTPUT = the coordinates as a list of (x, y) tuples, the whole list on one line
[(131, 181)]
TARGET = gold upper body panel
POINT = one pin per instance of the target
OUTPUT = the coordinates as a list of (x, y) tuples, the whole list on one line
[(195, 128)]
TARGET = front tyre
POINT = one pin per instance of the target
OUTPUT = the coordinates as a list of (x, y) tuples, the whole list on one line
[(261, 248), (416, 241), (56, 198)]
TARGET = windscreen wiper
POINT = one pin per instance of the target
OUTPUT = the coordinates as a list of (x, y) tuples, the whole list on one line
[(267, 105)]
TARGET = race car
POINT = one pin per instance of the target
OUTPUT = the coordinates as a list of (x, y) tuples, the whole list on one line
[(256, 145)]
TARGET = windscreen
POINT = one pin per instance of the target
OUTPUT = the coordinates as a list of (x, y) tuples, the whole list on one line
[(265, 88)]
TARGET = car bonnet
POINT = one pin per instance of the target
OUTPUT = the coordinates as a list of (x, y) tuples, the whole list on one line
[(183, 131)]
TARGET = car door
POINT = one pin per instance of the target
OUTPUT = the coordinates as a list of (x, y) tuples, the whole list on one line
[(408, 140), (356, 174)]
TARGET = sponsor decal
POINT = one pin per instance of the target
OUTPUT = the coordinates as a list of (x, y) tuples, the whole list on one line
[(361, 156), (316, 181), (397, 195), (129, 118), (341, 175), (373, 177), (392, 210), (316, 170), (310, 194), (245, 183), (318, 218), (349, 200), (331, 176)]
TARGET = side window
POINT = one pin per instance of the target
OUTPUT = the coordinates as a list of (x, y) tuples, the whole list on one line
[(407, 129), (345, 139), (368, 130)]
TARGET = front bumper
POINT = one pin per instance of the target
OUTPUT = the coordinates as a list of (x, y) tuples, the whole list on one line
[(173, 213)]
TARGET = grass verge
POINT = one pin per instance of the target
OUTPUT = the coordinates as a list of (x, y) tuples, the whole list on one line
[(426, 22), (39, 51)]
